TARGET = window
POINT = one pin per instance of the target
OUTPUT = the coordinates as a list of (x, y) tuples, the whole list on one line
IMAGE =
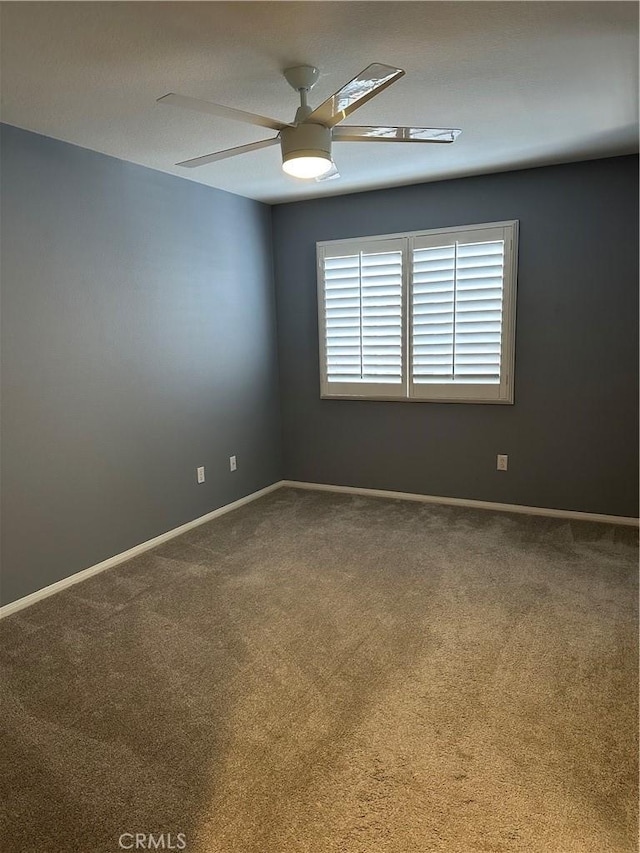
[(423, 316)]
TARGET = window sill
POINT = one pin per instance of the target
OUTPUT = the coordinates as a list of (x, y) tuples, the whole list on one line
[(381, 399)]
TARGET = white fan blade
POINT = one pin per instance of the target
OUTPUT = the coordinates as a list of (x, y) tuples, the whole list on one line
[(228, 152), (330, 175), (396, 134), (357, 92), (219, 111)]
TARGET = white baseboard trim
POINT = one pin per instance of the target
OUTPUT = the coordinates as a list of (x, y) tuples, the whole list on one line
[(497, 507), (82, 575)]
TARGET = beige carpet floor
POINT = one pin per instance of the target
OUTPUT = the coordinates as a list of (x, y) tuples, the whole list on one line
[(333, 674)]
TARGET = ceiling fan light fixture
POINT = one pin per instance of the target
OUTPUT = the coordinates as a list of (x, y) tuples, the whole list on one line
[(302, 166), (306, 150)]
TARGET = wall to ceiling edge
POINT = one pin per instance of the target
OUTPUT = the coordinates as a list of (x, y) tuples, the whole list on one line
[(572, 435), (138, 342)]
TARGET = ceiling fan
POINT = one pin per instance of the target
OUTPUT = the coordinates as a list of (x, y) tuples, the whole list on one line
[(306, 142)]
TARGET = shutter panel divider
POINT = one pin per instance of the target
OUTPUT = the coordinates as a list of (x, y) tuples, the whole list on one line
[(455, 303)]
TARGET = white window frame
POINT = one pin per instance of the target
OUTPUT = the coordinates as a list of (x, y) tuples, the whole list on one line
[(408, 391)]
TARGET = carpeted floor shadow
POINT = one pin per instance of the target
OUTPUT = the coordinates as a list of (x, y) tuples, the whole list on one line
[(323, 673)]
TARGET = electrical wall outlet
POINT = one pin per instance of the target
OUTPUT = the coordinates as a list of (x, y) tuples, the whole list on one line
[(503, 462), (200, 474), (232, 463)]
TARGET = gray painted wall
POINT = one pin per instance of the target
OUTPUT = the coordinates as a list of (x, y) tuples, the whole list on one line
[(139, 342), (572, 435)]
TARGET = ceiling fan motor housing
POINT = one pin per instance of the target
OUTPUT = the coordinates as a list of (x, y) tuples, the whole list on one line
[(305, 140)]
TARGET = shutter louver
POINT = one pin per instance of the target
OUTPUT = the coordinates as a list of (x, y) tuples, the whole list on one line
[(457, 313), (342, 310), (433, 304), (478, 321), (363, 317)]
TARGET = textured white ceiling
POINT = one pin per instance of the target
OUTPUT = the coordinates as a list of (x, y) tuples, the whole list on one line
[(528, 82)]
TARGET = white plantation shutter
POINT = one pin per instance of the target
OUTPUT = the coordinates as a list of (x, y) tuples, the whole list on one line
[(342, 318), (433, 299), (452, 289), (478, 315), (457, 312), (362, 316), (459, 284)]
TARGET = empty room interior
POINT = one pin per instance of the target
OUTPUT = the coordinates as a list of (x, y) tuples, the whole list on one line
[(319, 427)]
